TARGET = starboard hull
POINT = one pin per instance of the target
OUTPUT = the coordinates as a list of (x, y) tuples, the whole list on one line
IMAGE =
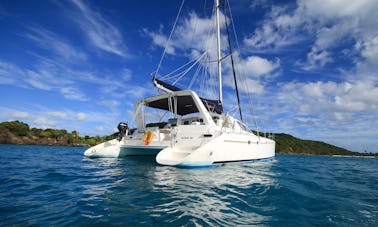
[(224, 149)]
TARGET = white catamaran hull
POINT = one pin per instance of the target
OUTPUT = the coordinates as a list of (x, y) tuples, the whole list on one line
[(225, 148), (115, 149)]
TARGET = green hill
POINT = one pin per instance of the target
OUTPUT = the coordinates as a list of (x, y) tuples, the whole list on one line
[(287, 144), (15, 132)]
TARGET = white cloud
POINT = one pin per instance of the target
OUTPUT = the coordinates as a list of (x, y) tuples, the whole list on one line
[(160, 40), (48, 78), (56, 44), (73, 93), (126, 74), (14, 75), (339, 31), (258, 3), (105, 82), (329, 36), (51, 77), (9, 73), (247, 85), (340, 113), (100, 32), (23, 115), (367, 67), (12, 114), (253, 74), (316, 58), (42, 122), (99, 129), (81, 116), (340, 116), (362, 96), (57, 114), (85, 122), (276, 31), (325, 26), (370, 49), (339, 20), (324, 98), (193, 35), (136, 91), (334, 8), (252, 86), (109, 103), (36, 118), (257, 66), (38, 80)]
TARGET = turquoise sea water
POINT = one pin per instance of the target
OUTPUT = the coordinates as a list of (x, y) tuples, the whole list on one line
[(57, 186)]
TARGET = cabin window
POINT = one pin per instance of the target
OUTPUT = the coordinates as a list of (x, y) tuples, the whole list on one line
[(172, 121), (160, 118)]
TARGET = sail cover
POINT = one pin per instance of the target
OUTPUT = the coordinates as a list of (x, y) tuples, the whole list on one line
[(211, 105)]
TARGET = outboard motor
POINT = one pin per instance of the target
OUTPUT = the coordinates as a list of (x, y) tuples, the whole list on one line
[(122, 128)]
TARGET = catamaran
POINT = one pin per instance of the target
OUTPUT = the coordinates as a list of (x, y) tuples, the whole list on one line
[(195, 132)]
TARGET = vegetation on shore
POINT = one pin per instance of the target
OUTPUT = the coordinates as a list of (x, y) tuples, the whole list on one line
[(15, 132), (287, 144)]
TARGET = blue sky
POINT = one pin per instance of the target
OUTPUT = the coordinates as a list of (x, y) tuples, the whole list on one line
[(80, 65)]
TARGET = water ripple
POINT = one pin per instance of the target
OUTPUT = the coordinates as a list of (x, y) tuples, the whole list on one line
[(58, 186)]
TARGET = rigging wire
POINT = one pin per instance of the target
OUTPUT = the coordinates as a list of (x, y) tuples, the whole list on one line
[(233, 67), (170, 36), (180, 72), (205, 69), (187, 70), (195, 75), (242, 68), (206, 85), (169, 75)]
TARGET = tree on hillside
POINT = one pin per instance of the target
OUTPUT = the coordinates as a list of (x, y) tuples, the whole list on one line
[(36, 132), (16, 127)]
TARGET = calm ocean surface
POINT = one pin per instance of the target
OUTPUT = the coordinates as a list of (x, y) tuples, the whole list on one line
[(57, 186)]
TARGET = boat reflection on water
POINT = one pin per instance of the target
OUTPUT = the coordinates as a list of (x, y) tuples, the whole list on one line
[(238, 175), (127, 191), (231, 194)]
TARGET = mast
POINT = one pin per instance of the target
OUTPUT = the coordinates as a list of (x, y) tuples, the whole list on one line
[(216, 3)]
